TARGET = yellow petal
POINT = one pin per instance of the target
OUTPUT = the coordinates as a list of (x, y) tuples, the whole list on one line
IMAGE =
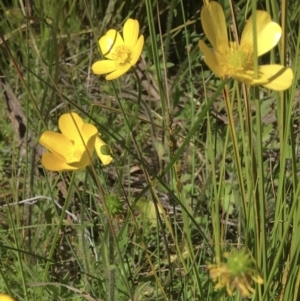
[(104, 66), (279, 77), (109, 42), (89, 134), (105, 159), (53, 163), (57, 144), (248, 79), (75, 129), (130, 32), (80, 155), (79, 158), (118, 72), (137, 50), (214, 25), (70, 125), (268, 33), (4, 297), (210, 59)]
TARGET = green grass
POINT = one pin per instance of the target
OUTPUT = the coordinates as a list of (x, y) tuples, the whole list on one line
[(194, 174)]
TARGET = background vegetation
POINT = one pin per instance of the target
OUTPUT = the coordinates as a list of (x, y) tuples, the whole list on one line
[(183, 189)]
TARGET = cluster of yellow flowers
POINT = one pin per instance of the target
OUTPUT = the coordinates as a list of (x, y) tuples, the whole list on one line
[(73, 148)]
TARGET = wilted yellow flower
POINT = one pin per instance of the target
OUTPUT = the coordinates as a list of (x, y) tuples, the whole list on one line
[(121, 53), (72, 149), (4, 297), (230, 59), (236, 272)]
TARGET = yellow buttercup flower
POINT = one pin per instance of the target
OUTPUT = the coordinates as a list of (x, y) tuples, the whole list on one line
[(230, 59), (72, 148), (4, 297), (121, 53)]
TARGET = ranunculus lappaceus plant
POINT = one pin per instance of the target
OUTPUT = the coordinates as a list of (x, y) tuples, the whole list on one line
[(73, 147), (121, 53), (230, 59)]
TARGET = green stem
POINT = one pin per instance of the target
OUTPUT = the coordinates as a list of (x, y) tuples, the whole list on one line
[(58, 228)]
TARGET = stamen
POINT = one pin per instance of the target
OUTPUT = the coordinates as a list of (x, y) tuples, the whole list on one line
[(237, 60), (122, 55)]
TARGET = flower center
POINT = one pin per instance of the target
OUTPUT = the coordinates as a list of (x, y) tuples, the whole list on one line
[(122, 55), (75, 154), (237, 60)]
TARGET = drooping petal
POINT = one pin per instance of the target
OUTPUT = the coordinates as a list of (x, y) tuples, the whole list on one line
[(104, 66), (137, 50), (210, 59), (53, 163), (130, 32), (110, 42), (70, 125), (57, 144), (268, 33), (118, 72), (279, 77), (105, 159), (214, 25)]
